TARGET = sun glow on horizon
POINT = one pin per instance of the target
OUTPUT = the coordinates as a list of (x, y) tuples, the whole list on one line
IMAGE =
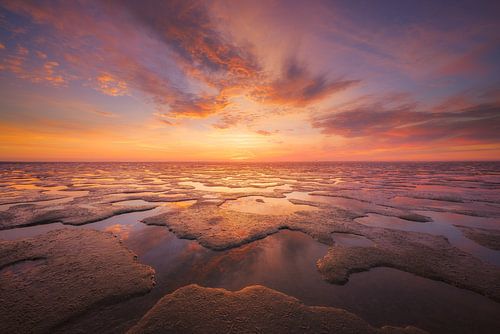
[(348, 83)]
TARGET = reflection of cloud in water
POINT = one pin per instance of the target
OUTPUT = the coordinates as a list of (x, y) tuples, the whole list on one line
[(122, 231), (286, 260)]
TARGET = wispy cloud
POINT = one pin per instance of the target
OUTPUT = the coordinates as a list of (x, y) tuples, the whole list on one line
[(298, 87), (188, 67), (315, 77), (405, 123)]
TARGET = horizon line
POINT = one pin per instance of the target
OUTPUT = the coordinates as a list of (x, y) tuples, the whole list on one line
[(230, 161)]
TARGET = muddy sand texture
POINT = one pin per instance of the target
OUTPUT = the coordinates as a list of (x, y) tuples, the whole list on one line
[(50, 279), (254, 309), (485, 237), (220, 229), (31, 214), (418, 253)]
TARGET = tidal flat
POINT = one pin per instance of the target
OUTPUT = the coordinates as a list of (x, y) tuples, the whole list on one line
[(344, 247)]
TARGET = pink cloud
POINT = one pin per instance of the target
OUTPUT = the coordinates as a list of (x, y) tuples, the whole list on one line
[(405, 124)]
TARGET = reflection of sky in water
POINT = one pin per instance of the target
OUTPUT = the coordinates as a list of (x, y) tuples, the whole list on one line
[(265, 205), (440, 205), (341, 202), (71, 195), (442, 224), (284, 261), (121, 225), (201, 186), (351, 240)]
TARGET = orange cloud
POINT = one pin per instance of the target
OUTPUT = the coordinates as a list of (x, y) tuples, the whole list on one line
[(109, 85), (186, 26), (21, 65), (264, 132), (213, 78), (199, 106)]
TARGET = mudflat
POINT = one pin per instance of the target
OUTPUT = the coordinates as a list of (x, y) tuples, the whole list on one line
[(117, 247)]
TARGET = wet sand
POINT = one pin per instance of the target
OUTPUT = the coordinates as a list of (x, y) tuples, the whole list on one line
[(249, 211)]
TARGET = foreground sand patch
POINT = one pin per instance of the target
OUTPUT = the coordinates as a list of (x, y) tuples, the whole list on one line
[(254, 309), (50, 279)]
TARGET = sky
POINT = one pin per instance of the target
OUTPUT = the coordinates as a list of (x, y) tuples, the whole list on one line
[(271, 80)]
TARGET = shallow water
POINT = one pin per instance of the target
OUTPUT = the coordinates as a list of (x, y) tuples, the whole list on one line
[(68, 197), (440, 205), (265, 205), (341, 202), (285, 261), (121, 225), (201, 186), (442, 226)]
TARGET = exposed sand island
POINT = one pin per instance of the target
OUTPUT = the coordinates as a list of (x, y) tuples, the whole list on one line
[(255, 309)]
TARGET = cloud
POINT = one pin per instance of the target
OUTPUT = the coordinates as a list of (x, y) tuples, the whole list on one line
[(298, 87), (166, 122), (22, 63), (264, 132), (41, 55), (186, 26), (176, 54), (109, 85), (405, 124), (51, 75), (194, 106), (101, 112), (172, 52), (232, 117), (469, 62)]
